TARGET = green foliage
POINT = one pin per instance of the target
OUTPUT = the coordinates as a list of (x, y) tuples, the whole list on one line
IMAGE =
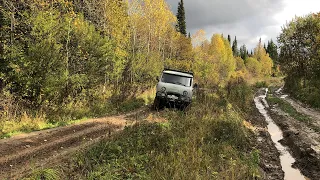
[(181, 16), (272, 50), (235, 49), (299, 57), (229, 39), (67, 61), (240, 94), (243, 52), (47, 174), (131, 105), (261, 84)]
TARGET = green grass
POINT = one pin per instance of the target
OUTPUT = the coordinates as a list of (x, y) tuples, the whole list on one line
[(261, 84), (287, 108), (47, 174), (27, 123), (207, 142), (12, 128)]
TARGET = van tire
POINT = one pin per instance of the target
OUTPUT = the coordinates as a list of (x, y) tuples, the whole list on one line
[(157, 104)]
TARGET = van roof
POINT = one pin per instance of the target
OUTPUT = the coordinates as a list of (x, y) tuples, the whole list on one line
[(179, 73)]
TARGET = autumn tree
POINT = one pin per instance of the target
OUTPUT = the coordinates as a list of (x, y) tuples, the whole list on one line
[(221, 60), (198, 38), (153, 39), (266, 62), (254, 66)]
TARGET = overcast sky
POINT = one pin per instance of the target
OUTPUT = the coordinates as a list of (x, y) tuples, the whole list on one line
[(247, 19)]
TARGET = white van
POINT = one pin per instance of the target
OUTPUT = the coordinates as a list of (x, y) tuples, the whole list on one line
[(175, 88)]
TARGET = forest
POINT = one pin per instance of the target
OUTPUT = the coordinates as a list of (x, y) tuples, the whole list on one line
[(64, 60)]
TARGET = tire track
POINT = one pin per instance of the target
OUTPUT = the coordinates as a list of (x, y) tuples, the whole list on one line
[(23, 153)]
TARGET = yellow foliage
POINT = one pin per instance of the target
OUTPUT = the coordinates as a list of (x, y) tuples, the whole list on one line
[(253, 66), (266, 62), (214, 62)]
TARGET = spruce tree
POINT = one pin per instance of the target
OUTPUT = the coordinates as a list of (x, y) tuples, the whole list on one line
[(272, 50), (181, 26), (229, 39), (235, 47)]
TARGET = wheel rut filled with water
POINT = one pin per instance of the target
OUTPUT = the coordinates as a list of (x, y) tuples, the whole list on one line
[(286, 158)]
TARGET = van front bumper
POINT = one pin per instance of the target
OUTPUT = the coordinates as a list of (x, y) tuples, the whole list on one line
[(173, 98)]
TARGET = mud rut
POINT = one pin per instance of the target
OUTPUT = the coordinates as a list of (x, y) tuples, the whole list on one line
[(23, 153), (301, 137)]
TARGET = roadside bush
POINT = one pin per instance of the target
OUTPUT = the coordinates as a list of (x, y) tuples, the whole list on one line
[(261, 84), (240, 94), (131, 104)]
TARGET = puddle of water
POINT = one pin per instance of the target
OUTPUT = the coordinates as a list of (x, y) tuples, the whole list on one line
[(276, 134), (283, 96), (279, 90)]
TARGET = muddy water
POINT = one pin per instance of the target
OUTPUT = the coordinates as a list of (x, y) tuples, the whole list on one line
[(276, 134)]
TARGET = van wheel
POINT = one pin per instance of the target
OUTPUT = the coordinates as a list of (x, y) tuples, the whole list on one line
[(157, 105)]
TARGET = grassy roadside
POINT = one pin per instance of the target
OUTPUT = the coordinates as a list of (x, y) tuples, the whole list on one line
[(27, 123), (210, 141), (287, 108)]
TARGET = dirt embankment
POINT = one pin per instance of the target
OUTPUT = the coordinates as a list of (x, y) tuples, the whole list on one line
[(303, 140), (21, 154)]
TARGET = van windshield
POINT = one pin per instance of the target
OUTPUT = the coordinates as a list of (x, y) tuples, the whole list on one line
[(175, 79)]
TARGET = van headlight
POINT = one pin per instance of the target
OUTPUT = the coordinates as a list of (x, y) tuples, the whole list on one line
[(185, 93)]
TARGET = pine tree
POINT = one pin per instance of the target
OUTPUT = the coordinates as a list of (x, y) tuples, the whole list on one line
[(229, 39), (235, 47), (272, 50), (181, 26)]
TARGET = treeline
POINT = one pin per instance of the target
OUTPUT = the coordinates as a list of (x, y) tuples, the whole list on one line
[(299, 58), (71, 58), (217, 63), (64, 54)]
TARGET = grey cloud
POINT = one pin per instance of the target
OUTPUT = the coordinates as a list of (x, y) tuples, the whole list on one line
[(247, 19)]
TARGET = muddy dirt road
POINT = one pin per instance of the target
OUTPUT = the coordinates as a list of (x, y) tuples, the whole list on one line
[(22, 153), (302, 137)]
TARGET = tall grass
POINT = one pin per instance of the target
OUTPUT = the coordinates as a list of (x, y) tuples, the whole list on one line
[(207, 142), (16, 117)]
